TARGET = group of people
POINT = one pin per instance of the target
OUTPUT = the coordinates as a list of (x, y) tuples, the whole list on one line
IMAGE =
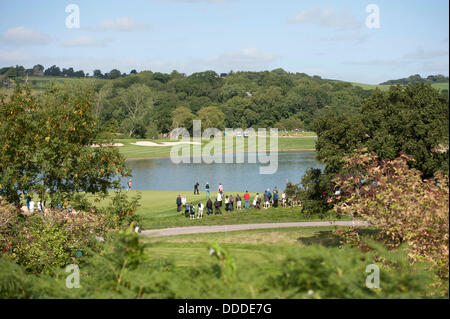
[(31, 205), (42, 207), (231, 202)]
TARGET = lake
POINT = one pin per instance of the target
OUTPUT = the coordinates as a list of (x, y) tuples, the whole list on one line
[(162, 174)]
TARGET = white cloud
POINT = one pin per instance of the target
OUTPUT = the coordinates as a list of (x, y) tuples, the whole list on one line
[(85, 41), (328, 18), (124, 24), (24, 36)]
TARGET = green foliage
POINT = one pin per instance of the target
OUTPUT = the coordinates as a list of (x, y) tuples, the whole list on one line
[(406, 208), (246, 99), (211, 116), (46, 241), (40, 247), (46, 146), (412, 120), (120, 212), (121, 271), (226, 262), (312, 192)]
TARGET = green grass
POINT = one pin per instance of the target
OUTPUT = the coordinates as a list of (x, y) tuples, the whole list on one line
[(158, 210), (256, 246), (42, 82), (438, 86), (304, 142)]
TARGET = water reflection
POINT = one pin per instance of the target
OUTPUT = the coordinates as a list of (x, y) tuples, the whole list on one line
[(162, 174)]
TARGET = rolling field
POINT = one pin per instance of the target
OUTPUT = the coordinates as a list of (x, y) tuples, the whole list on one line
[(260, 246), (293, 143), (438, 86)]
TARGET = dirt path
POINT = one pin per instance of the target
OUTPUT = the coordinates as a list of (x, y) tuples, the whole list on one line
[(224, 228)]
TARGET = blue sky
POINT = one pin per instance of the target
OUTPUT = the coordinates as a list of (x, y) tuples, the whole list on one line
[(326, 38)]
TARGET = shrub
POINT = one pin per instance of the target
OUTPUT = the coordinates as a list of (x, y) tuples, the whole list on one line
[(121, 212), (398, 201), (45, 241)]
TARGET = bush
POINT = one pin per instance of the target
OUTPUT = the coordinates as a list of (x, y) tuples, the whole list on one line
[(120, 213), (398, 201), (45, 241), (121, 271)]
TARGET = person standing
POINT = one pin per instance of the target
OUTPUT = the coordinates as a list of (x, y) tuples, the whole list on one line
[(275, 199), (283, 199), (200, 210), (196, 188), (208, 192), (227, 203), (129, 184), (247, 200), (186, 210), (231, 203), (179, 203), (258, 201), (219, 198), (238, 202), (209, 206), (220, 189), (192, 211), (28, 202), (31, 207), (266, 199), (217, 207)]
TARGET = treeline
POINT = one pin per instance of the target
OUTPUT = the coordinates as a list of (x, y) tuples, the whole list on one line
[(148, 103), (416, 78), (18, 71)]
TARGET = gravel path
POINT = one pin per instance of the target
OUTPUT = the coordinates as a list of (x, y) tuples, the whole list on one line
[(224, 228)]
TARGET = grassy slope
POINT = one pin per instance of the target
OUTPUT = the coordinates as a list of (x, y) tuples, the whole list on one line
[(439, 86), (306, 142), (261, 246)]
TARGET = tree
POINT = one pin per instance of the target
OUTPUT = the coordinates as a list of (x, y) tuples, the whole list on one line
[(98, 74), (211, 116), (412, 119), (137, 99), (182, 117), (114, 74), (53, 71), (394, 197), (46, 146)]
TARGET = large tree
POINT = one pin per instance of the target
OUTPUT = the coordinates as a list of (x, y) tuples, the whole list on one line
[(46, 146), (411, 119)]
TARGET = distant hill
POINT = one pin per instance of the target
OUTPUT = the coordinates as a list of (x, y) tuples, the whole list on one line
[(416, 78)]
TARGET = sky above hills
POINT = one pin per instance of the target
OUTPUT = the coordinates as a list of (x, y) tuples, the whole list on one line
[(326, 38)]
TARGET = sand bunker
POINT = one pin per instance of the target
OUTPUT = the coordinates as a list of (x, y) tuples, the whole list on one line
[(147, 143), (110, 144)]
